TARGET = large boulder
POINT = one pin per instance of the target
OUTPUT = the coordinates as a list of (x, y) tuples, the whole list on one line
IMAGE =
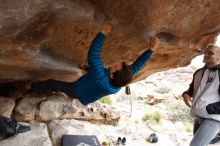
[(49, 38), (58, 128), (6, 106), (59, 106), (27, 107)]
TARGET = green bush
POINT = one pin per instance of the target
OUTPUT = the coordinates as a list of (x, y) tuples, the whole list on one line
[(178, 111), (146, 117), (188, 127), (156, 117), (106, 100)]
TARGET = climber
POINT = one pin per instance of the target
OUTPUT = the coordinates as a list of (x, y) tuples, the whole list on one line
[(99, 81)]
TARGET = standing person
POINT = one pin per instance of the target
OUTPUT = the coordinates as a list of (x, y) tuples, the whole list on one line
[(205, 91)]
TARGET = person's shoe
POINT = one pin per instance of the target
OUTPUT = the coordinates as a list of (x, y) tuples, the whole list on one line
[(215, 139), (123, 141), (119, 140)]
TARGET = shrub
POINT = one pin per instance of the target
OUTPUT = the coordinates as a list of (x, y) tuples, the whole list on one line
[(162, 90), (106, 100), (188, 127), (155, 117), (178, 111)]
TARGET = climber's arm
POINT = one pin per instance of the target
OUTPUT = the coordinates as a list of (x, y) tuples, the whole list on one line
[(96, 66), (143, 58)]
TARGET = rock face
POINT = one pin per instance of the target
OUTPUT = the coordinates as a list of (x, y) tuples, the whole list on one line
[(59, 106), (27, 107), (49, 38), (6, 106), (73, 127)]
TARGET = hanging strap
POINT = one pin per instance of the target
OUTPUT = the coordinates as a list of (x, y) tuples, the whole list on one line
[(128, 92)]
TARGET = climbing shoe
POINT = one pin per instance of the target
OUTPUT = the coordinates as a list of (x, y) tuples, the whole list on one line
[(123, 141), (119, 140)]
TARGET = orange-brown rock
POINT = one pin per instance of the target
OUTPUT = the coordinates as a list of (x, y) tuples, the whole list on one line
[(49, 38)]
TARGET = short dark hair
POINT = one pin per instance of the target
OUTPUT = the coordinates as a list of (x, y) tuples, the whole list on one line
[(122, 77)]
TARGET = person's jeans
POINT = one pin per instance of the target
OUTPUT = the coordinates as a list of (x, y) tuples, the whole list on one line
[(50, 86), (204, 131)]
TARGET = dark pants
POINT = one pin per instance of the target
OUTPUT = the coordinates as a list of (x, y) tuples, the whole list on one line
[(6, 88), (50, 86)]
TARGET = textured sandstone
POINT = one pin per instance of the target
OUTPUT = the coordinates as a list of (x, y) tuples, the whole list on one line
[(49, 38), (59, 106), (6, 106)]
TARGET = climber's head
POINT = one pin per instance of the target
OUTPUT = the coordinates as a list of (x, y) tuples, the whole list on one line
[(120, 74)]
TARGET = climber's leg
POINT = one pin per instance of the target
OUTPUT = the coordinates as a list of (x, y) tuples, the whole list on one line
[(49, 86)]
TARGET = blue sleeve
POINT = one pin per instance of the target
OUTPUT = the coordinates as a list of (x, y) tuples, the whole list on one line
[(141, 61), (96, 67)]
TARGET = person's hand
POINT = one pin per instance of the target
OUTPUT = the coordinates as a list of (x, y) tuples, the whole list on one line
[(107, 26), (187, 100), (154, 42)]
